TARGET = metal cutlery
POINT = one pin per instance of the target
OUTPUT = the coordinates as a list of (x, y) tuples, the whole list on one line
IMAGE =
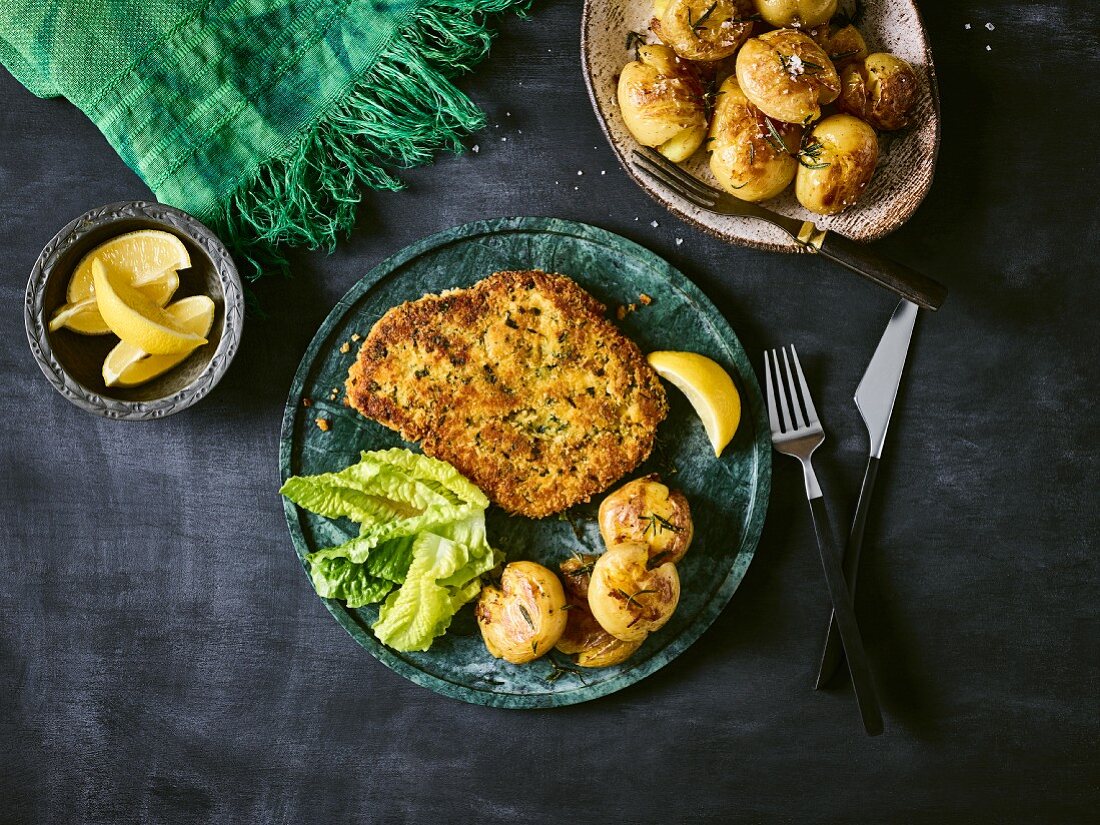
[(863, 260), (798, 433), (875, 399)]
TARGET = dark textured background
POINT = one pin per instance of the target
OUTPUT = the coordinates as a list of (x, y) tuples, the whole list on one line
[(162, 657)]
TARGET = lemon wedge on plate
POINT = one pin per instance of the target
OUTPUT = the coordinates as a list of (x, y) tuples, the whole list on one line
[(709, 389), (149, 259), (135, 318), (128, 366)]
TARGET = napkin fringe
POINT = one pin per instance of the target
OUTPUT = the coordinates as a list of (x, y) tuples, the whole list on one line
[(402, 112)]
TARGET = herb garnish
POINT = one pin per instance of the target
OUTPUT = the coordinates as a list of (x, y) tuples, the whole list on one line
[(809, 155), (801, 67), (633, 597), (774, 138), (527, 617), (842, 55), (698, 24), (633, 41), (658, 523), (558, 670)]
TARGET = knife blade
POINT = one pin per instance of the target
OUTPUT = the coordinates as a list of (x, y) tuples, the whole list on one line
[(875, 396)]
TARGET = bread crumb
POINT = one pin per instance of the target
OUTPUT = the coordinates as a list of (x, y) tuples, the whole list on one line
[(307, 402), (345, 347), (355, 336), (645, 299), (323, 424), (621, 311)]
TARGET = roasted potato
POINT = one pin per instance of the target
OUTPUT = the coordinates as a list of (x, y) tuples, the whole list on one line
[(584, 640), (662, 102), (843, 46), (647, 512), (703, 29), (629, 598), (882, 90), (787, 75), (751, 155), (836, 163), (796, 12), (524, 617)]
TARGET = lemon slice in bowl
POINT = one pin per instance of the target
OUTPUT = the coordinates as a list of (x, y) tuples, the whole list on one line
[(135, 318), (128, 366), (709, 389), (148, 258)]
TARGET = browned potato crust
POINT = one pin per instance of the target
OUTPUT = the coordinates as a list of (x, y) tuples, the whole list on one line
[(662, 102), (882, 90), (843, 46), (588, 644), (648, 512), (751, 155), (845, 151), (524, 617), (704, 29), (787, 76)]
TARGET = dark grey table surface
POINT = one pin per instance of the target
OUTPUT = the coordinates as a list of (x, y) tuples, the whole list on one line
[(163, 659)]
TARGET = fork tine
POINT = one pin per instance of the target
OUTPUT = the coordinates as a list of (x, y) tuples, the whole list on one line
[(773, 414), (643, 164), (796, 408), (679, 173), (811, 413), (781, 391)]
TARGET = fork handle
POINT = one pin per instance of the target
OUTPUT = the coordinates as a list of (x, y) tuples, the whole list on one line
[(833, 653), (899, 278), (846, 625)]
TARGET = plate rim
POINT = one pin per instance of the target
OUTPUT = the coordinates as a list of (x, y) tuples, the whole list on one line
[(759, 500), (920, 194)]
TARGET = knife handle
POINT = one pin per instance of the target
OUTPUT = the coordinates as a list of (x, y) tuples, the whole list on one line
[(862, 683), (899, 278), (833, 653)]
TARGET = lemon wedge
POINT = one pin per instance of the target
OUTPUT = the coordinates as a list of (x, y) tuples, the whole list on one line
[(148, 258), (709, 389), (128, 366), (135, 318)]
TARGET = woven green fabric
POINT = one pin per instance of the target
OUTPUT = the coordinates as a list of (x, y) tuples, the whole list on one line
[(264, 118)]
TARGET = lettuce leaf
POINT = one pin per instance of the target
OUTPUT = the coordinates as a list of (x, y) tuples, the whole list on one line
[(421, 526)]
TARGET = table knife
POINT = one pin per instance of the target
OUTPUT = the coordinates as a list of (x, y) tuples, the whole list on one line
[(875, 400)]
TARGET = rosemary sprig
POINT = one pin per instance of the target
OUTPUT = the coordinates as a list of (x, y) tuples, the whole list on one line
[(557, 670), (698, 24), (842, 55), (809, 154), (752, 153), (633, 597), (527, 617), (806, 66), (658, 523), (774, 138), (633, 41)]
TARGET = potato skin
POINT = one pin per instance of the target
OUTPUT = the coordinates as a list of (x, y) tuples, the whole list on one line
[(843, 46), (628, 598), (849, 147), (787, 76), (649, 513), (796, 12), (744, 156), (584, 640), (662, 102), (524, 617), (724, 27), (882, 90)]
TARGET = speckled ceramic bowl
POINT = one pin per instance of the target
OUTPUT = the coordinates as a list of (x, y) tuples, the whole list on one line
[(72, 362), (907, 160)]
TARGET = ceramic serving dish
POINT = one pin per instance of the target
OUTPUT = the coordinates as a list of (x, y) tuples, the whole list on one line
[(72, 362), (907, 158)]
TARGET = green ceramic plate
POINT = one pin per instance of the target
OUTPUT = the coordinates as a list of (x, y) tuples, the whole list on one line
[(728, 496)]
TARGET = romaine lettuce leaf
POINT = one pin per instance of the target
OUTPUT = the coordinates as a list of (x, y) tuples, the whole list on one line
[(421, 526)]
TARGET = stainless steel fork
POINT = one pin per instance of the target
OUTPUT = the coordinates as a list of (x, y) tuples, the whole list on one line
[(798, 433), (863, 260)]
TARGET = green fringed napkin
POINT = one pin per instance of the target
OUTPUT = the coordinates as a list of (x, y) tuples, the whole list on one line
[(263, 118)]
